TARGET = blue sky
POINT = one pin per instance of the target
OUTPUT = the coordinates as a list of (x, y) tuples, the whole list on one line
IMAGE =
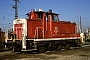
[(66, 8)]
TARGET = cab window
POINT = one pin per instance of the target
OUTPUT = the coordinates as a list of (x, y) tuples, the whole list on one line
[(40, 16), (55, 18)]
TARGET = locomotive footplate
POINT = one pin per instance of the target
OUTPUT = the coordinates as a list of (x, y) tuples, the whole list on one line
[(30, 46)]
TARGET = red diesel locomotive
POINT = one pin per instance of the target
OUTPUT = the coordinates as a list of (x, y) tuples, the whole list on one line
[(43, 31)]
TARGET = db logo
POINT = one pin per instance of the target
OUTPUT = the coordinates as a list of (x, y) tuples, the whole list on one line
[(56, 30)]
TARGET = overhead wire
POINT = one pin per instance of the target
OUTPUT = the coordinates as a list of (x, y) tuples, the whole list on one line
[(23, 8), (4, 12)]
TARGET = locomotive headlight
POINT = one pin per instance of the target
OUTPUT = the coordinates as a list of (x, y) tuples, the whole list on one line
[(18, 21), (22, 35)]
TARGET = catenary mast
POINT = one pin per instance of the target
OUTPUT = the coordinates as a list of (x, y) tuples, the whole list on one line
[(16, 8)]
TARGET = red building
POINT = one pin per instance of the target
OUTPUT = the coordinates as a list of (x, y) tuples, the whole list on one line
[(2, 39)]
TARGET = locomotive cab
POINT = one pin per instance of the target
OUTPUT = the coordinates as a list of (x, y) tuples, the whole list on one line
[(35, 15)]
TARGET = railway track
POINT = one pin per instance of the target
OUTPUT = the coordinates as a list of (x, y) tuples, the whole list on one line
[(82, 53)]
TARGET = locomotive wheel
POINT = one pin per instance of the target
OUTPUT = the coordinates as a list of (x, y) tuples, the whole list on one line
[(67, 46), (41, 49), (59, 47)]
